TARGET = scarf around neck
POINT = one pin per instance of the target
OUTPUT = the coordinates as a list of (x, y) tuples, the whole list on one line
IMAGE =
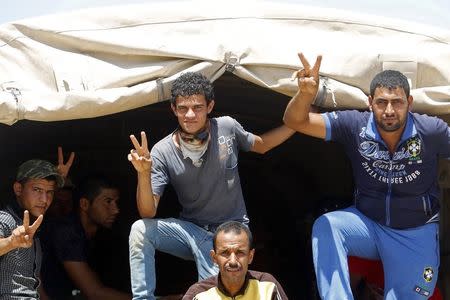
[(194, 145)]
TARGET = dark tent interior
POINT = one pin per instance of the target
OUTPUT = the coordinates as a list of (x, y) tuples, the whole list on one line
[(285, 189)]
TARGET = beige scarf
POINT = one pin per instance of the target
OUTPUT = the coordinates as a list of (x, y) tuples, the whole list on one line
[(194, 145)]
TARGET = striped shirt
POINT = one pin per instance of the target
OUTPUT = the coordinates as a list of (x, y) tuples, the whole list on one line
[(19, 268)]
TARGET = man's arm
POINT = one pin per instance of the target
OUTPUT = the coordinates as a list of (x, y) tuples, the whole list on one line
[(6, 245), (147, 202), (22, 236), (297, 115), (271, 139), (89, 284)]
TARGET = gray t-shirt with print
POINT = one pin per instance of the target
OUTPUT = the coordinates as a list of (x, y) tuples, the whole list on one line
[(210, 194)]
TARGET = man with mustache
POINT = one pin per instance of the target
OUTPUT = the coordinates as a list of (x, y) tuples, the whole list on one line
[(395, 217), (20, 248), (200, 160), (233, 252), (66, 243)]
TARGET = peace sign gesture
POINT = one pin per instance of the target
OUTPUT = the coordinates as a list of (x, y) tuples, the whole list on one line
[(140, 156), (22, 236), (63, 168), (307, 77)]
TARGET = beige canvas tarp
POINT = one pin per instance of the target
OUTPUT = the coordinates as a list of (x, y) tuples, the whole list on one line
[(100, 61)]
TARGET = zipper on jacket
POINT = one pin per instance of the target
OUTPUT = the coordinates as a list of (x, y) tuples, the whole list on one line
[(388, 195), (429, 206), (425, 207)]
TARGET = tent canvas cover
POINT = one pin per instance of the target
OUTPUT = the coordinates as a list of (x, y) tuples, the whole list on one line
[(100, 61)]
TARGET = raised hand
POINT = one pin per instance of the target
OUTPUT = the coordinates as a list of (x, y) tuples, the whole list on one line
[(22, 236), (63, 168), (140, 156), (307, 77)]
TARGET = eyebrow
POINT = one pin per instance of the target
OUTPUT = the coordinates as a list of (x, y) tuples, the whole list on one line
[(34, 186), (383, 98)]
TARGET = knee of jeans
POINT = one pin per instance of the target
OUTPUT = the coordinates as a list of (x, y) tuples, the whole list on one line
[(141, 231), (322, 227)]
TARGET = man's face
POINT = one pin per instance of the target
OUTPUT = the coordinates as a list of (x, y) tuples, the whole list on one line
[(390, 108), (35, 195), (192, 112), (232, 255), (104, 208)]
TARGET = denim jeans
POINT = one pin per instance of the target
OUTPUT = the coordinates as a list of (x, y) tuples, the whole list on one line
[(173, 236), (410, 256)]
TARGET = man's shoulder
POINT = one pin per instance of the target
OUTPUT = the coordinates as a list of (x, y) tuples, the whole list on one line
[(261, 276), (226, 125), (162, 144), (267, 280), (200, 287), (5, 214), (207, 283), (223, 121), (425, 122), (65, 228), (6, 218), (348, 115), (8, 221)]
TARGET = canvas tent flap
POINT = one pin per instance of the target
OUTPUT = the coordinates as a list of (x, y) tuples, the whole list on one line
[(100, 61), (48, 105)]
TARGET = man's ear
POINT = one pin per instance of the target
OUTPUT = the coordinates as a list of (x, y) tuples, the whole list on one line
[(210, 106), (410, 102), (369, 99), (17, 187), (251, 254), (174, 109), (212, 253), (84, 204)]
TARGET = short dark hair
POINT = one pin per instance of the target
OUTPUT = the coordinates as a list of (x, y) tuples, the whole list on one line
[(192, 83), (236, 227), (390, 79), (91, 186)]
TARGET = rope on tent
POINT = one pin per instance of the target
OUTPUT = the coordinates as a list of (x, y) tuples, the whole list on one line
[(231, 60)]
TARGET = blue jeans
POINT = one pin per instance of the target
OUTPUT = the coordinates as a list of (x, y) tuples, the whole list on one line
[(410, 256), (173, 236)]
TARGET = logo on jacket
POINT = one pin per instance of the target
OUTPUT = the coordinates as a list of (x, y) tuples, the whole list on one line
[(421, 291), (414, 147), (428, 274)]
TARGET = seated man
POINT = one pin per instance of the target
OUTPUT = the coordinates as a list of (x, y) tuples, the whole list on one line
[(20, 250), (233, 252), (66, 243)]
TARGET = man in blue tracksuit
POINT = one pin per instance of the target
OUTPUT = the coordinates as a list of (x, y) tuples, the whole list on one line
[(394, 155)]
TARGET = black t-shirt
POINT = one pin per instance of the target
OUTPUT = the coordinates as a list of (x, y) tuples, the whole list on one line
[(62, 240)]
